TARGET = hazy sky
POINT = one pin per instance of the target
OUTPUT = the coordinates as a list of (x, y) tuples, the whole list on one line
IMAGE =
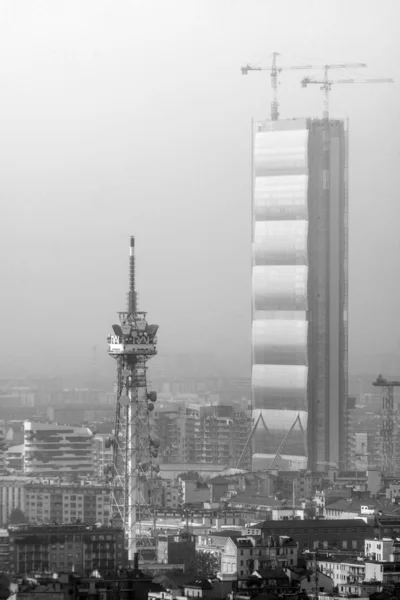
[(131, 117)]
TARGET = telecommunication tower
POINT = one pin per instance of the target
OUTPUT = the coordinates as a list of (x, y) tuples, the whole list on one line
[(133, 471), (387, 438)]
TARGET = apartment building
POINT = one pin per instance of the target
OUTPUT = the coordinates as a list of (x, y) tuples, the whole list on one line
[(241, 556), (54, 502), (12, 496), (103, 456), (340, 534), (58, 450), (65, 548), (198, 433), (341, 569)]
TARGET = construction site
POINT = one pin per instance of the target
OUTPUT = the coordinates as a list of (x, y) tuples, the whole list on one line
[(300, 412)]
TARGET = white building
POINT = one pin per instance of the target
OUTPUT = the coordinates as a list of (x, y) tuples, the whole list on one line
[(381, 550)]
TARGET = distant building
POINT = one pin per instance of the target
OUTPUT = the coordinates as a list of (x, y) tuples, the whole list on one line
[(14, 459), (341, 534), (103, 456), (176, 549), (12, 496), (379, 549), (299, 285), (4, 551), (386, 572), (194, 492), (56, 502), (65, 548), (198, 433), (58, 450), (241, 556)]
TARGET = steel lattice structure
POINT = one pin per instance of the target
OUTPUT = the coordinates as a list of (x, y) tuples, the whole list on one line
[(387, 431), (134, 448)]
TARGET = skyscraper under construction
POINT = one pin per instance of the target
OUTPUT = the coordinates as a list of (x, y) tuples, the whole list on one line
[(300, 266)]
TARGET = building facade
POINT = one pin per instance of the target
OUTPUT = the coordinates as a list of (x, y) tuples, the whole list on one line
[(299, 314), (196, 433), (62, 503), (65, 548), (340, 534), (58, 450)]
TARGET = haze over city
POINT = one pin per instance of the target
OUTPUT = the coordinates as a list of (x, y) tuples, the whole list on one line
[(133, 118)]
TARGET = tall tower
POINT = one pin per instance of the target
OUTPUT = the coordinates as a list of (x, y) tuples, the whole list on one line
[(299, 315), (134, 449)]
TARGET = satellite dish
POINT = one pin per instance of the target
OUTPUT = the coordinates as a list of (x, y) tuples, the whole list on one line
[(123, 401)]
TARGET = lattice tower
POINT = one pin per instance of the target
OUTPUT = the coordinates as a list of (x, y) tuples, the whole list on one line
[(134, 470)]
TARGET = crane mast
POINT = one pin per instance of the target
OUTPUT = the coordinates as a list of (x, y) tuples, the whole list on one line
[(326, 83), (275, 71)]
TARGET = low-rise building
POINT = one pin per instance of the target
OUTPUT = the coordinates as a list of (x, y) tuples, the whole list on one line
[(386, 572), (12, 496), (242, 555), (340, 534), (176, 549), (340, 569), (284, 513), (360, 590), (304, 579), (194, 492), (379, 549), (4, 550)]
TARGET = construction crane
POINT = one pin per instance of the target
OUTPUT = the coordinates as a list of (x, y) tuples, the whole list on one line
[(275, 71), (326, 83), (387, 428)]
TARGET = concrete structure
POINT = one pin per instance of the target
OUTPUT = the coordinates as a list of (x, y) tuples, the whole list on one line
[(65, 548), (103, 455), (340, 569), (304, 579), (58, 450), (194, 432), (51, 500), (176, 549), (194, 492), (56, 502), (242, 555), (300, 285), (14, 459), (386, 572), (381, 550), (12, 496), (343, 534), (4, 551)]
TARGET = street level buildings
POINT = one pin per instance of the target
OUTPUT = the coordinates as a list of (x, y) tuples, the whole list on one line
[(65, 548)]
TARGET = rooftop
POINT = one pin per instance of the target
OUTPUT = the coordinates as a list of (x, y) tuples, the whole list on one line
[(313, 524)]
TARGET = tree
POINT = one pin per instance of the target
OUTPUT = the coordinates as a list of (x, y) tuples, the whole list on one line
[(190, 476), (205, 564), (17, 517)]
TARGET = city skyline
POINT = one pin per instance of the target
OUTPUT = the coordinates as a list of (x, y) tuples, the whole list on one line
[(80, 175)]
